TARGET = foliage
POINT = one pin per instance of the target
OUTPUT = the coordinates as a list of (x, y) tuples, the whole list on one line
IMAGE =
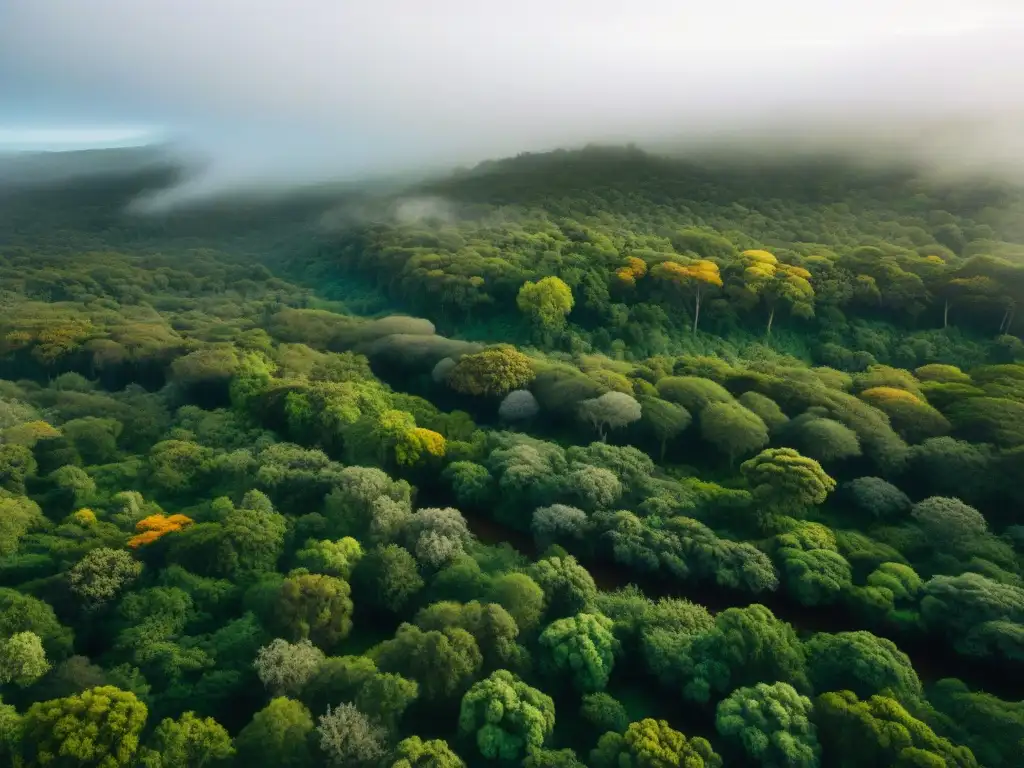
[(506, 717), (581, 647), (101, 726), (652, 743), (772, 723)]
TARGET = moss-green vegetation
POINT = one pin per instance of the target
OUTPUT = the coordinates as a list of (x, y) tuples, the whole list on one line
[(243, 522)]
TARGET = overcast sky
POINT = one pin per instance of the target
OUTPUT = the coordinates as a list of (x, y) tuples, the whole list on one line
[(306, 89)]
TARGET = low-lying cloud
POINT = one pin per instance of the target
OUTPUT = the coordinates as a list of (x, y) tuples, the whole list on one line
[(295, 91)]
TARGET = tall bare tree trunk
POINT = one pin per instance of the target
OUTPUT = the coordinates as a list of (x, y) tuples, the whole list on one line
[(771, 317), (945, 314), (696, 312)]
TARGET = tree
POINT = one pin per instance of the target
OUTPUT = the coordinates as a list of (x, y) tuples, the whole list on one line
[(349, 739), (285, 667), (957, 606), (822, 439), (417, 445), (187, 742), (333, 558), (877, 497), (546, 302), (766, 278), (880, 732), (444, 662), (506, 717), (732, 429), (24, 613), (18, 516), (694, 393), (22, 659), (604, 713), (783, 479), (491, 626), (102, 574), (518, 406), (100, 726), (948, 522), (863, 663), (254, 535), (769, 411), (521, 596), (664, 420), (315, 607), (16, 465), (568, 586), (280, 734), (413, 752), (387, 578), (437, 536), (494, 371), (582, 648), (913, 418), (558, 523), (612, 410), (552, 758), (746, 646), (815, 576), (653, 743), (593, 487), (696, 278), (772, 724)]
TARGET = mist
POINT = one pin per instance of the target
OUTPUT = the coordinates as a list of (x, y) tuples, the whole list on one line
[(267, 94)]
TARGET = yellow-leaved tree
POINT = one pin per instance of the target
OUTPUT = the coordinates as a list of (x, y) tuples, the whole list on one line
[(771, 282), (694, 279)]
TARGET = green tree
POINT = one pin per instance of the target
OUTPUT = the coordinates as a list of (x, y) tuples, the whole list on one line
[(546, 302), (664, 420), (333, 558), (580, 647), (315, 607), (187, 742), (521, 596), (746, 646), (444, 662), (653, 743), (24, 613), (568, 586), (772, 724), (863, 663), (100, 726), (948, 522), (879, 732), (494, 371), (612, 410), (387, 578), (493, 628), (22, 659), (102, 574), (506, 717), (732, 429), (281, 734), (785, 481), (604, 713), (413, 752)]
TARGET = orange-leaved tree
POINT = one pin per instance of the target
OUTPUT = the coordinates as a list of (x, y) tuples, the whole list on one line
[(153, 527)]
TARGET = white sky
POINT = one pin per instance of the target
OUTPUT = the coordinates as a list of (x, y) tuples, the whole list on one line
[(307, 88)]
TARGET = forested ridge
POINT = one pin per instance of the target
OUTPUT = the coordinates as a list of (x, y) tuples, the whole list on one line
[(563, 460)]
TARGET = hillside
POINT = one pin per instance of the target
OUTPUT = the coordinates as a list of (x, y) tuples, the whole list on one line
[(590, 458)]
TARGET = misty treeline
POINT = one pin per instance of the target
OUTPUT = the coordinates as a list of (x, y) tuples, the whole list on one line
[(243, 525)]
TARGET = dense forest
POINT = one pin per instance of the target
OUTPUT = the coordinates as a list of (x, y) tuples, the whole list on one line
[(590, 458)]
